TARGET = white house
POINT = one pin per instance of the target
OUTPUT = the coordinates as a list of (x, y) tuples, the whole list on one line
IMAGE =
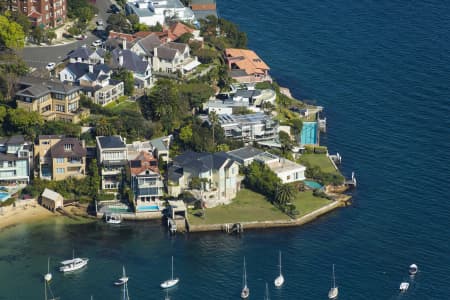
[(87, 55), (288, 171), (154, 12)]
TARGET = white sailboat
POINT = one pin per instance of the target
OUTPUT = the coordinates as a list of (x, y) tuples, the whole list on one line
[(47, 279), (334, 291), (122, 280), (413, 269), (73, 264), (279, 281), (170, 282), (245, 290)]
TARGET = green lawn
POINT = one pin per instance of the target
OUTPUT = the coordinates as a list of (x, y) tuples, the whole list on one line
[(320, 160), (306, 202), (123, 105), (246, 207)]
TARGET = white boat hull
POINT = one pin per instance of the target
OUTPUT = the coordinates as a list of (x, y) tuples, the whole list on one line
[(333, 293), (413, 269), (169, 283), (74, 266), (121, 281), (245, 293), (404, 286), (279, 281)]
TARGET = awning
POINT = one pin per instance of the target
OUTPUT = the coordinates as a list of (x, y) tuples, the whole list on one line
[(192, 65)]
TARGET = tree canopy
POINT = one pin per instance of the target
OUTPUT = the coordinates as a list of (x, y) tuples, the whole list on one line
[(11, 34)]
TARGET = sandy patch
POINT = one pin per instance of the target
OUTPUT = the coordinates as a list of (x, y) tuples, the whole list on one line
[(20, 215)]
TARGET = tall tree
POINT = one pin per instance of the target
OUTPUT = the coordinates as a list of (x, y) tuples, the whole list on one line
[(11, 34), (214, 120), (284, 194)]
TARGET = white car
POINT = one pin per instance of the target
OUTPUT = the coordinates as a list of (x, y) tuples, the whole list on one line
[(97, 43), (100, 22), (50, 66)]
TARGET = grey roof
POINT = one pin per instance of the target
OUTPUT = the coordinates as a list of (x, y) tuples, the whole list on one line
[(166, 52), (37, 87), (238, 73), (160, 144), (82, 52), (149, 43), (80, 69), (201, 162), (175, 173), (131, 61), (247, 93), (202, 14), (245, 152), (77, 149), (114, 141), (16, 140), (177, 46)]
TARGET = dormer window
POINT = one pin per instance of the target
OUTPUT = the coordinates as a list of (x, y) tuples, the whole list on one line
[(68, 147)]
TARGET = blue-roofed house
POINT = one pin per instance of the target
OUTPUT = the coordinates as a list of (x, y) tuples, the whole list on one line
[(218, 173), (139, 66)]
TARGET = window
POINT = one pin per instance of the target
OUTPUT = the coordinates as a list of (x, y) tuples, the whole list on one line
[(288, 177), (68, 147), (60, 108), (60, 160), (60, 170)]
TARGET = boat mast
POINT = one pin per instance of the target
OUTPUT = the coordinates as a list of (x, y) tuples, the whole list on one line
[(172, 267), (334, 280), (280, 263), (267, 292)]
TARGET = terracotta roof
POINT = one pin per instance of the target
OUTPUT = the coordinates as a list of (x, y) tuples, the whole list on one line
[(210, 6), (246, 60), (178, 29), (125, 36), (143, 162)]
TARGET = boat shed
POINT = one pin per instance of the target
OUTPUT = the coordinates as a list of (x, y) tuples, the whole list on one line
[(52, 200)]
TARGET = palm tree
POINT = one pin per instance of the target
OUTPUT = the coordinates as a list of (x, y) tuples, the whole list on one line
[(284, 194)]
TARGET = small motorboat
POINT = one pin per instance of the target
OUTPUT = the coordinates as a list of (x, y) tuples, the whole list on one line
[(404, 286), (122, 280), (413, 269), (73, 264), (113, 219)]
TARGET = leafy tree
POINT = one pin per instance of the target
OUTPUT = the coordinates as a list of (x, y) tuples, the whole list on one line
[(61, 127), (94, 179), (296, 128), (195, 93), (22, 20), (261, 179), (285, 141), (21, 121), (157, 28), (11, 34), (184, 38), (37, 34), (214, 120), (186, 134), (205, 56), (50, 35), (127, 78), (118, 22)]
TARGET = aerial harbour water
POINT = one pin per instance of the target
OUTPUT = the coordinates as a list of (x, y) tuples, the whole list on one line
[(381, 70)]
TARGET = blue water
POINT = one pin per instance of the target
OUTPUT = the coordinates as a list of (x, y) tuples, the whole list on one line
[(309, 133), (312, 184), (381, 69), (147, 208), (4, 196)]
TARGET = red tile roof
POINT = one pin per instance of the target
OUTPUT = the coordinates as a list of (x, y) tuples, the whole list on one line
[(246, 60), (177, 30), (147, 162)]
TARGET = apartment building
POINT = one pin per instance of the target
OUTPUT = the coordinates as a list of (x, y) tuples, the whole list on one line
[(52, 100), (44, 13), (60, 157), (16, 156)]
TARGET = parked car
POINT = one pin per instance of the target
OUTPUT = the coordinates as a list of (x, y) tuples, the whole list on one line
[(99, 22), (114, 8), (81, 37), (50, 66), (97, 43)]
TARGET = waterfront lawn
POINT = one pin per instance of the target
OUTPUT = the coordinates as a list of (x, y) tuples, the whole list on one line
[(246, 207), (319, 160), (306, 202)]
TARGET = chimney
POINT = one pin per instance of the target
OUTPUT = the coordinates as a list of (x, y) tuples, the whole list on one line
[(155, 52), (91, 68), (124, 44), (120, 59)]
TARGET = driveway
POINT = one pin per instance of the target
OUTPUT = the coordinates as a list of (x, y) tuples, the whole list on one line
[(39, 57)]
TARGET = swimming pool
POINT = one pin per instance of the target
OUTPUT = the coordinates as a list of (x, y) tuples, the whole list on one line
[(147, 208), (312, 184), (4, 196), (117, 210), (309, 133)]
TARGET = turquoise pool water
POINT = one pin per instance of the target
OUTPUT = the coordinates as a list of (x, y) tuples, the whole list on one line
[(312, 184), (147, 208), (4, 196), (117, 210), (309, 133)]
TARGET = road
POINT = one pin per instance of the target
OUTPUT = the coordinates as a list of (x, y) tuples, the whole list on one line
[(39, 57)]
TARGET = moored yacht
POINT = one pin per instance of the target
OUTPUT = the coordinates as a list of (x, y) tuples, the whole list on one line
[(413, 269), (73, 264)]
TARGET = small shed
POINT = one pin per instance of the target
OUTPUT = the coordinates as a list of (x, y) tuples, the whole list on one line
[(52, 200)]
